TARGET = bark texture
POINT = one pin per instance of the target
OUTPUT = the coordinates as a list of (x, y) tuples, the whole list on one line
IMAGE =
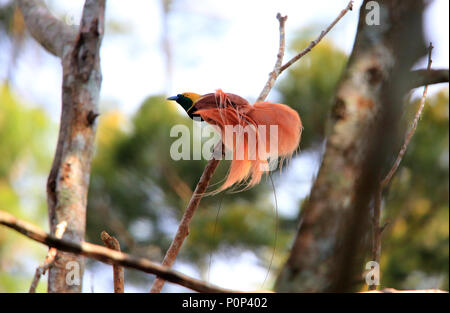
[(68, 182), (328, 251), (53, 35)]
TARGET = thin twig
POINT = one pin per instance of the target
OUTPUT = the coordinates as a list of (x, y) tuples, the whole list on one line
[(113, 243), (377, 230), (411, 132), (279, 68), (276, 69), (106, 255), (318, 39), (183, 228), (49, 259)]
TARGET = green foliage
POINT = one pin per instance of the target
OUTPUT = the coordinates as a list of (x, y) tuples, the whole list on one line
[(415, 250), (24, 159), (138, 193), (19, 137), (24, 148)]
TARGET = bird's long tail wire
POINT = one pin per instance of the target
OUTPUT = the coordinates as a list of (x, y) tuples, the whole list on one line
[(275, 237), (276, 230), (214, 232)]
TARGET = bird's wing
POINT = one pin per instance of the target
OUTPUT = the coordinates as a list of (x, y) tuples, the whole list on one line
[(220, 100)]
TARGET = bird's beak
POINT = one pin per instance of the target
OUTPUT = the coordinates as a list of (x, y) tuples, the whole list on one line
[(174, 98)]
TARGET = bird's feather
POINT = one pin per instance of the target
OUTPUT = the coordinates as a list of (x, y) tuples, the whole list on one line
[(227, 110)]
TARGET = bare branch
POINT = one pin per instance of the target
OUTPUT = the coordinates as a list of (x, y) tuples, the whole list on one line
[(318, 39), (411, 132), (54, 35), (183, 228), (279, 68), (376, 229), (50, 259), (113, 243), (428, 77), (276, 69), (106, 255)]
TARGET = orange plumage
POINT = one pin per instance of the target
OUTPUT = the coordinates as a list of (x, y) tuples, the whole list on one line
[(248, 131)]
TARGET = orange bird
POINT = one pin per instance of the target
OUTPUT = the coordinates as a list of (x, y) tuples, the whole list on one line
[(254, 133)]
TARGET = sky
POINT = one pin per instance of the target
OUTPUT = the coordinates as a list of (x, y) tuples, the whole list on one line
[(216, 44), (229, 44)]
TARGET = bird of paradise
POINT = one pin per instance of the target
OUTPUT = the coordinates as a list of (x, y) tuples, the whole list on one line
[(250, 147)]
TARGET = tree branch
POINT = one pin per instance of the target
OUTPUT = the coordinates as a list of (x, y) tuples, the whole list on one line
[(106, 255), (424, 77), (276, 69), (411, 132), (377, 230), (54, 35), (183, 228), (279, 68), (113, 243), (318, 39)]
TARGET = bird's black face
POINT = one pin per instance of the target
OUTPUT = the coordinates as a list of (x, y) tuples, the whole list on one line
[(182, 100), (185, 102)]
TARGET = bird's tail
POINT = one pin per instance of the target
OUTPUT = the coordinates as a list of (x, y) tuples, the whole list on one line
[(253, 134)]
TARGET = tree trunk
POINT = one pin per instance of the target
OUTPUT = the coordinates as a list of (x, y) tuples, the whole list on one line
[(68, 182), (329, 248)]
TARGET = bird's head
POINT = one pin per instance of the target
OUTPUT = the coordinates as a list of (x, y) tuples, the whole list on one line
[(186, 100)]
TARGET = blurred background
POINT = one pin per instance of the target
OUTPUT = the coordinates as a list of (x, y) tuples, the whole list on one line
[(154, 49)]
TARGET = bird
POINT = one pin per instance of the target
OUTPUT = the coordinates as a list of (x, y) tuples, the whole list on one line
[(247, 131)]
